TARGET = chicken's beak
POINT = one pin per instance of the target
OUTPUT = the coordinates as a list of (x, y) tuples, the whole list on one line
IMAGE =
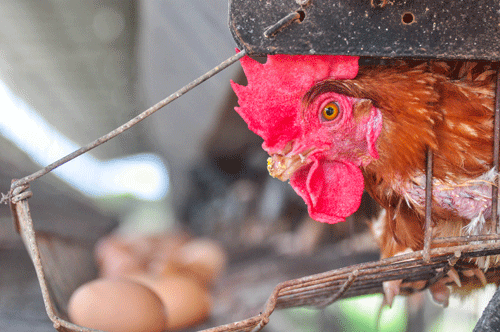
[(282, 167)]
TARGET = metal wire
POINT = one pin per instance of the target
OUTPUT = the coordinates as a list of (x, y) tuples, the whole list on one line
[(496, 147), (285, 21), (223, 65), (428, 205)]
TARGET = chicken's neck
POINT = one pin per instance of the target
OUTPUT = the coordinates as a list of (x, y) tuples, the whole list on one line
[(462, 146)]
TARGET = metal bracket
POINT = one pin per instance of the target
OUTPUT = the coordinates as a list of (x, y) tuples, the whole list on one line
[(467, 29), (22, 214)]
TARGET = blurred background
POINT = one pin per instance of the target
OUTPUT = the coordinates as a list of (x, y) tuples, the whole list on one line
[(72, 71)]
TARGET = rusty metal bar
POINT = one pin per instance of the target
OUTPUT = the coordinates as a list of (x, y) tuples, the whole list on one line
[(428, 206), (345, 286), (466, 239), (285, 21), (496, 147), (23, 215), (306, 291), (446, 268), (369, 273), (364, 273), (414, 258)]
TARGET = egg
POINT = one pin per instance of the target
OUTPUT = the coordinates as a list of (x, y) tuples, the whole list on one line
[(186, 302), (204, 257), (115, 305), (164, 258), (148, 246), (118, 255), (115, 257)]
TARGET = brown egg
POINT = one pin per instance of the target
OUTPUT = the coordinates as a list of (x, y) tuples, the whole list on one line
[(148, 246), (164, 258), (117, 306), (115, 257), (186, 302), (205, 258)]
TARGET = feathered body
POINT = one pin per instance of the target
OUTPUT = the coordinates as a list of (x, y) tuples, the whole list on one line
[(425, 107), (332, 128)]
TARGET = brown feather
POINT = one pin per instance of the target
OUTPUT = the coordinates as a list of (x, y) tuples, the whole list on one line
[(445, 107)]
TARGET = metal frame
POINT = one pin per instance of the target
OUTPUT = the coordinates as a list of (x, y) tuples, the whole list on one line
[(467, 29)]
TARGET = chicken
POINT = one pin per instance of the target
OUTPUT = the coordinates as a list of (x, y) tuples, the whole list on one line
[(334, 129)]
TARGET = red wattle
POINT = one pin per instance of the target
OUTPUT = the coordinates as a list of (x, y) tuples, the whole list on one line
[(332, 190)]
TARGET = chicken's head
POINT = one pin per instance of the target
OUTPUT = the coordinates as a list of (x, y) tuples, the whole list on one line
[(317, 138)]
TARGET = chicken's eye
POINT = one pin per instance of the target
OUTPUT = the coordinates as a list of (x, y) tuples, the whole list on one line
[(330, 111)]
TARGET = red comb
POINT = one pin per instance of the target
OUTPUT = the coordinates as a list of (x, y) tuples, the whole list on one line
[(271, 101)]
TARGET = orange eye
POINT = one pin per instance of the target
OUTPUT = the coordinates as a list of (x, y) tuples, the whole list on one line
[(330, 111)]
